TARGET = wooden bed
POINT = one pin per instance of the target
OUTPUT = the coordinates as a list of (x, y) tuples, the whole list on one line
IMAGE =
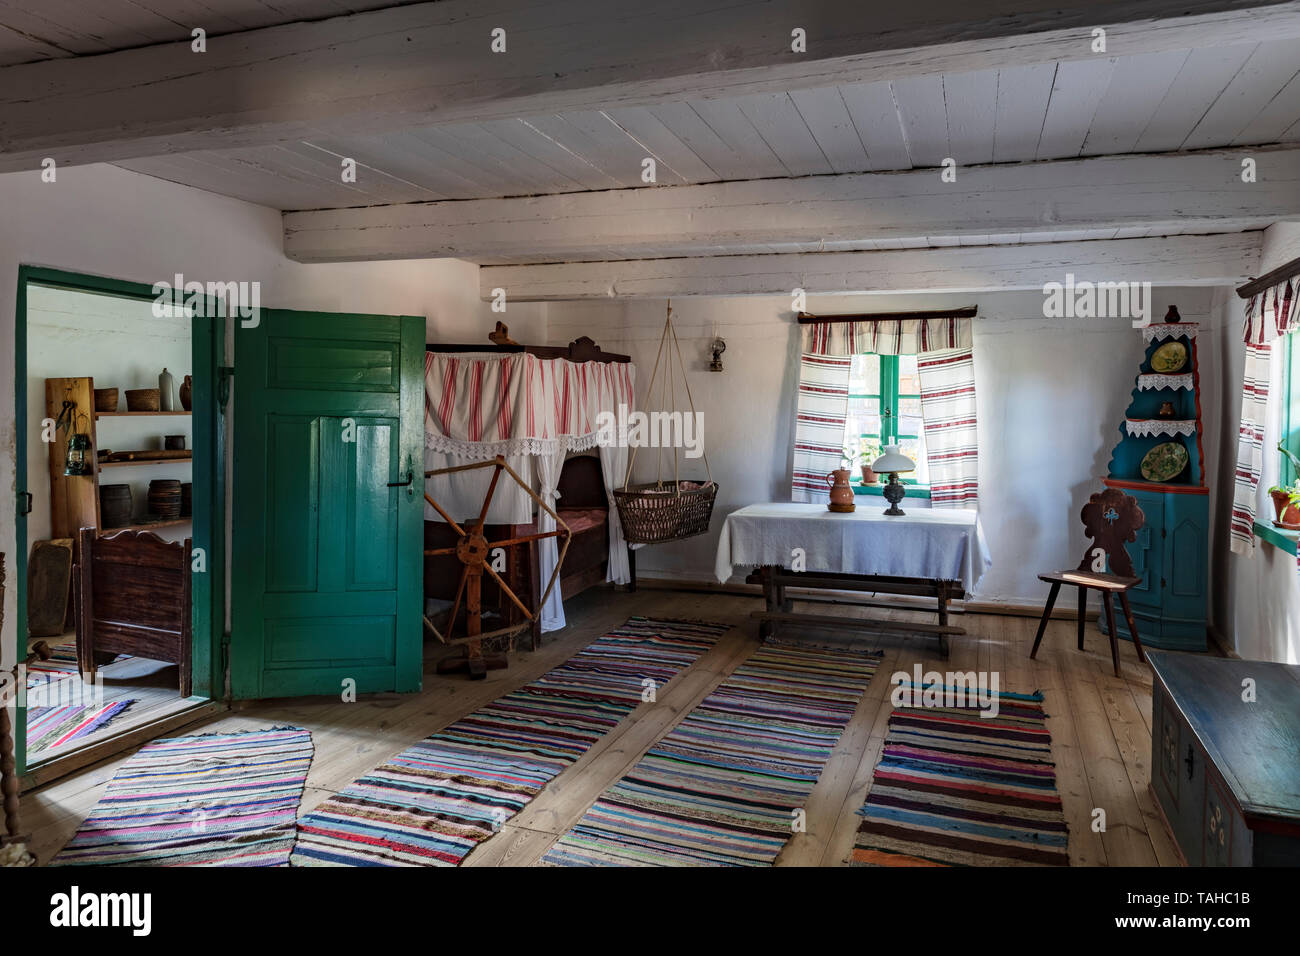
[(583, 505)]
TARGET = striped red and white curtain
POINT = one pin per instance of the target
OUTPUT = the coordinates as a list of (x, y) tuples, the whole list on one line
[(947, 370), (1269, 315)]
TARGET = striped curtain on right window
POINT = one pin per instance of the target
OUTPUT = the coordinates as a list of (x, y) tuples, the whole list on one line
[(951, 440), (1269, 315)]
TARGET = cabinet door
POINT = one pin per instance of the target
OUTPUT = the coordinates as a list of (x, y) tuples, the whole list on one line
[(1147, 553), (1185, 537)]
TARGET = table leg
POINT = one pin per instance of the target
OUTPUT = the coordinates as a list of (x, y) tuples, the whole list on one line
[(631, 568), (767, 628), (943, 616)]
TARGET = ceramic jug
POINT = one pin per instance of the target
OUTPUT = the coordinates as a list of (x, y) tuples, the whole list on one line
[(841, 490)]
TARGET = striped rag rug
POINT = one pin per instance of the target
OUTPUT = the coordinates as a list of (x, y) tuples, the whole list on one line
[(433, 803), (61, 710), (208, 800), (723, 787), (953, 788)]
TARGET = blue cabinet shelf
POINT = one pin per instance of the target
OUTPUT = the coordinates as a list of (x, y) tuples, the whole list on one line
[(1171, 553)]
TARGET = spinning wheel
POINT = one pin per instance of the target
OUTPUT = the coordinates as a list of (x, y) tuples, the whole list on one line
[(473, 550)]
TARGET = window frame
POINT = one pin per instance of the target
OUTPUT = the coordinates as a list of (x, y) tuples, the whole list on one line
[(887, 425)]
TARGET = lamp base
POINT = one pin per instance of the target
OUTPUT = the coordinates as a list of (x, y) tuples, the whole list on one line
[(894, 492)]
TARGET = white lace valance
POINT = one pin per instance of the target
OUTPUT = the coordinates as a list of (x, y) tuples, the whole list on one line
[(1169, 330), (1151, 427), (1156, 381)]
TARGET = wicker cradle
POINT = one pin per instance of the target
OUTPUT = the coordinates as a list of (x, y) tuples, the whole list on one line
[(663, 511)]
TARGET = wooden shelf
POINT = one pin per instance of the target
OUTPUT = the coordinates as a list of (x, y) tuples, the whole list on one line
[(147, 461), (149, 525), (139, 414)]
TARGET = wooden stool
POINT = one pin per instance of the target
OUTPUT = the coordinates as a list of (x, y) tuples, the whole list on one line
[(1109, 518)]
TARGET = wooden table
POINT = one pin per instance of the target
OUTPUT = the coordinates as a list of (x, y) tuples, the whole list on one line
[(933, 554)]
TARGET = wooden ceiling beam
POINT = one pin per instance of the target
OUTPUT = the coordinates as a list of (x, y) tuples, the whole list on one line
[(1172, 260), (1184, 192), (426, 64)]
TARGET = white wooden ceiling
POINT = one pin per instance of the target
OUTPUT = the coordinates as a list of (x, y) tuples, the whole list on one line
[(1183, 99), (32, 30)]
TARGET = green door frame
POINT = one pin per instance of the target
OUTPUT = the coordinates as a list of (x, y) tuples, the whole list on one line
[(208, 341)]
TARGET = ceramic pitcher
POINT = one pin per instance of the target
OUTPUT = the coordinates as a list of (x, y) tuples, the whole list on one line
[(841, 490)]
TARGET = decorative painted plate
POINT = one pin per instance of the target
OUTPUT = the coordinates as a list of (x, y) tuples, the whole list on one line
[(1164, 462), (1169, 358)]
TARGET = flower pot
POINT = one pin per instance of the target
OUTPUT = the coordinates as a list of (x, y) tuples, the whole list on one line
[(868, 476), (1288, 515)]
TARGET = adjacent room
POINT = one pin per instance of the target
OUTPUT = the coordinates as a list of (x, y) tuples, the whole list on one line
[(708, 435)]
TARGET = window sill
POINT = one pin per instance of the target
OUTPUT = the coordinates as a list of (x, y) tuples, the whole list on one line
[(878, 490), (1282, 540)]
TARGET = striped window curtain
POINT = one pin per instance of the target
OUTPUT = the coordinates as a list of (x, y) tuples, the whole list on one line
[(947, 370), (822, 406), (1269, 315), (951, 441)]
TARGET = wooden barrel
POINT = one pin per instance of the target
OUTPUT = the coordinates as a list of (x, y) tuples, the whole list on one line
[(187, 499), (114, 505), (165, 498)]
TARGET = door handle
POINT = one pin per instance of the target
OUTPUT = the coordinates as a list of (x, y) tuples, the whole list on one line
[(24, 502), (410, 477)]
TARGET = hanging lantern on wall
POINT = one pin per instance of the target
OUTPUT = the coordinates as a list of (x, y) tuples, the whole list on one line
[(77, 454)]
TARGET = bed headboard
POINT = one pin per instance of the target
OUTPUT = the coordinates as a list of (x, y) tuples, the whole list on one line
[(581, 484)]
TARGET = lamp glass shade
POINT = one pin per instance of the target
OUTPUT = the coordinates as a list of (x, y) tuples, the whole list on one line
[(892, 461)]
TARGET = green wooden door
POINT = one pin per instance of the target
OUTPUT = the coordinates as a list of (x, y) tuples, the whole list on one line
[(328, 544)]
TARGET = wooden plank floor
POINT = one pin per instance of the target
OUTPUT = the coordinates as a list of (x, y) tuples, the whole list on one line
[(1100, 728)]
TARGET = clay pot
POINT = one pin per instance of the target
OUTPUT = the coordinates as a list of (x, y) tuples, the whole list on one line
[(869, 477), (187, 393), (841, 490), (1288, 515)]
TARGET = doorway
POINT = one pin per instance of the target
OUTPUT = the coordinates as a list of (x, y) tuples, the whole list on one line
[(113, 476)]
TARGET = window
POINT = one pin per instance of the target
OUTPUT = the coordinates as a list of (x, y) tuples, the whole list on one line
[(885, 408), (1287, 473)]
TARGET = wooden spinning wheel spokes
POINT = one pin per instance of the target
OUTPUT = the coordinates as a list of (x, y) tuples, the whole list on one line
[(473, 551)]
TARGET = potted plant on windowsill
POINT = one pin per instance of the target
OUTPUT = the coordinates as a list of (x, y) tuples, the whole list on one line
[(864, 456), (1286, 500)]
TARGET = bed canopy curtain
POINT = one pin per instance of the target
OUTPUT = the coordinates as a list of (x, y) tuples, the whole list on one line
[(947, 372), (533, 411), (1270, 314)]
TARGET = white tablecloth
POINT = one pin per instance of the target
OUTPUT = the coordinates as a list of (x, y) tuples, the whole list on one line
[(938, 543)]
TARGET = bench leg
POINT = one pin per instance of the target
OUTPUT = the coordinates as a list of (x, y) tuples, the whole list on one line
[(1110, 626), (943, 617), (1047, 613), (1132, 625)]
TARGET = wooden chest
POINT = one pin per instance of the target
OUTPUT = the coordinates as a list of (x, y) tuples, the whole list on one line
[(1225, 758)]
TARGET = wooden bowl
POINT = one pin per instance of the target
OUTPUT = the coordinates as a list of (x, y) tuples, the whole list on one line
[(142, 399), (105, 399)]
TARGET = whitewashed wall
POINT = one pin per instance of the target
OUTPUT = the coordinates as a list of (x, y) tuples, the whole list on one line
[(106, 221), (1261, 592), (1051, 394)]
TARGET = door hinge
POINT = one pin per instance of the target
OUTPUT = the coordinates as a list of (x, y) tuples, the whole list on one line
[(225, 655), (24, 502)]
